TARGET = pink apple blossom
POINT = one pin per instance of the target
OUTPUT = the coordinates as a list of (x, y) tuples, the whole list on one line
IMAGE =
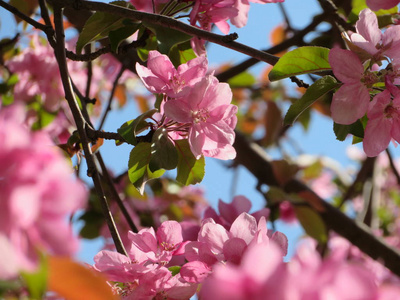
[(209, 116), (228, 212), (159, 247), (371, 39), (37, 193), (258, 277), (160, 75), (146, 5), (350, 102), (383, 123)]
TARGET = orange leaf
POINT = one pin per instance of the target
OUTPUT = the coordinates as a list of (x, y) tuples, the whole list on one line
[(120, 94), (277, 36), (73, 281), (142, 103)]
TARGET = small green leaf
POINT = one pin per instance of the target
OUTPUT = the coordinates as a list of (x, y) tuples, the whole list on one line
[(138, 166), (167, 37), (312, 223), (181, 53), (303, 60), (244, 79), (37, 281), (342, 131), (189, 170), (118, 36), (151, 44), (174, 270), (318, 89), (130, 129), (139, 158), (99, 25), (163, 152)]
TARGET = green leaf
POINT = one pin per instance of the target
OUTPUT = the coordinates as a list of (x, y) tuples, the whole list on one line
[(181, 53), (303, 60), (138, 166), (318, 89), (174, 270), (151, 44), (312, 223), (93, 222), (189, 170), (130, 129), (118, 36), (244, 79), (163, 152), (99, 25), (167, 37), (37, 281), (342, 131), (139, 158)]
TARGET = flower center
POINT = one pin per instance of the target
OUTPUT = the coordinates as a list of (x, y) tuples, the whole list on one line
[(200, 115), (391, 111), (177, 83)]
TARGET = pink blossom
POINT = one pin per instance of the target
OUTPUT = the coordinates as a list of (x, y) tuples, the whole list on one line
[(228, 212), (370, 38), (161, 247), (350, 102), (37, 193), (160, 76), (383, 124), (286, 212), (257, 277), (210, 118), (381, 4)]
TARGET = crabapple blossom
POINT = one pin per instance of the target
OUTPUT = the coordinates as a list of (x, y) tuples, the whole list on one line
[(383, 123), (228, 212), (37, 194), (160, 75), (209, 116), (371, 39), (350, 102)]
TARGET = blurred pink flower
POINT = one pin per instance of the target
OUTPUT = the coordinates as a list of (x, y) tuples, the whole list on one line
[(37, 193)]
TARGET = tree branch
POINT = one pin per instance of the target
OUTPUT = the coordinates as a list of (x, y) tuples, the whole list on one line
[(81, 125), (253, 157)]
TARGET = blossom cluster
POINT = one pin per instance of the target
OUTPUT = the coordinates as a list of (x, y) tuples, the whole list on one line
[(172, 261), (361, 73), (239, 259), (195, 105), (37, 194)]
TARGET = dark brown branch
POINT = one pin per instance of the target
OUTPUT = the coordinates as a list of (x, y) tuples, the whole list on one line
[(254, 159), (81, 125), (173, 24)]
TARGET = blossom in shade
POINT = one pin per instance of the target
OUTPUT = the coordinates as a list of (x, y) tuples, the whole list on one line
[(160, 75), (210, 118), (350, 102), (37, 194)]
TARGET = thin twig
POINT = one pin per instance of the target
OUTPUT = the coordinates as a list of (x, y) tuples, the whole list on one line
[(81, 125), (111, 97)]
